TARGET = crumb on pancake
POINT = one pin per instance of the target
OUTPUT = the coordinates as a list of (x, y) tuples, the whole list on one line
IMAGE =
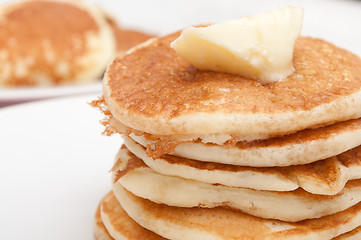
[(133, 163), (100, 105), (161, 148)]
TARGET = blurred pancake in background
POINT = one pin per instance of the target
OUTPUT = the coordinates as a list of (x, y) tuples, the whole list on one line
[(126, 38), (46, 43)]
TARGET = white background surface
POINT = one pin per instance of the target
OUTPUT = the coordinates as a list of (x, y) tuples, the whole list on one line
[(335, 20), (53, 160), (54, 166)]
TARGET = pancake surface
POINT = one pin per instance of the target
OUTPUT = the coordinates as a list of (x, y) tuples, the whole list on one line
[(50, 42), (155, 91)]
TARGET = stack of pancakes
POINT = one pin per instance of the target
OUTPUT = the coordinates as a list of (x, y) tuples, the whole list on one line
[(211, 155)]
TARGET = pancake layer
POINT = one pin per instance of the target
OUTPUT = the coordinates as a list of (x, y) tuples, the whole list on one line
[(352, 235), (117, 212), (53, 42), (155, 91), (100, 232), (300, 148), (131, 173), (199, 223), (327, 177)]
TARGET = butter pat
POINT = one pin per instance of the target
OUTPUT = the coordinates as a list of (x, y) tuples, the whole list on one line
[(259, 46)]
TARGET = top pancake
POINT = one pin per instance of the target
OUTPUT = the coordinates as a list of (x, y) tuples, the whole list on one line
[(50, 42), (154, 90)]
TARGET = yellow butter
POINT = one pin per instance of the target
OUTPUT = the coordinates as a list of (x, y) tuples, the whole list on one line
[(259, 46)]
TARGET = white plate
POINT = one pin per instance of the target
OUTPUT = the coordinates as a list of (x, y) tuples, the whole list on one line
[(18, 95), (54, 168)]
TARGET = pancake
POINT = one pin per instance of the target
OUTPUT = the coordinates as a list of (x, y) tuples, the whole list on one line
[(117, 212), (218, 223), (131, 173), (100, 232), (300, 148), (327, 177), (126, 38), (46, 43), (155, 91), (119, 224)]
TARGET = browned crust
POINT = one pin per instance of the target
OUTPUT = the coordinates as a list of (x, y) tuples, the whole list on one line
[(122, 223), (154, 80), (133, 163), (100, 232), (101, 106)]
